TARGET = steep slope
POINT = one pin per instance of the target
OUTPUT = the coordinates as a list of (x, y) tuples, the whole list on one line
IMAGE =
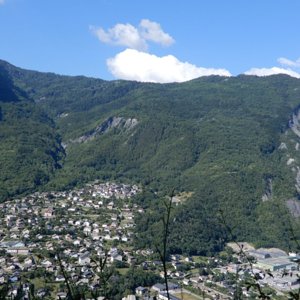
[(29, 148), (219, 139)]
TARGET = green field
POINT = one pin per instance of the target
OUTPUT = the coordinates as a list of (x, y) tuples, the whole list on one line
[(186, 296)]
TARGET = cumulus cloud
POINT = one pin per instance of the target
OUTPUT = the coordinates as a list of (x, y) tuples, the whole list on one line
[(289, 63), (122, 35), (132, 64), (271, 71), (152, 31), (134, 37), (135, 63)]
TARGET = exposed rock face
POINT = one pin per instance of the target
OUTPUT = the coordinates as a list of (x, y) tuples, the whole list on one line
[(282, 146), (297, 185), (116, 122), (294, 207), (294, 123), (119, 123), (268, 190)]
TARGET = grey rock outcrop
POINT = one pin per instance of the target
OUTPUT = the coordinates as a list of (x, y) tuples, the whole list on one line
[(119, 123)]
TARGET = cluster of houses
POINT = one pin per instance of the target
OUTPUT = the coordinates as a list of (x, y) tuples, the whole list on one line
[(108, 190), (81, 226), (45, 234)]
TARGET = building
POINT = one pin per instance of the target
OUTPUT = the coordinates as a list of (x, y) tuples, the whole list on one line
[(18, 251), (129, 297), (158, 287), (284, 283), (276, 264), (141, 290), (12, 244), (259, 254), (84, 259)]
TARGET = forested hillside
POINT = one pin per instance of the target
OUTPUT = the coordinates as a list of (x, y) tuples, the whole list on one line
[(224, 142), (30, 147)]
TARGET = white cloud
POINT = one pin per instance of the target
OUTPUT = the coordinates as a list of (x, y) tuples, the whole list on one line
[(289, 63), (134, 37), (131, 64), (152, 31), (135, 63), (2, 2), (271, 71), (122, 35)]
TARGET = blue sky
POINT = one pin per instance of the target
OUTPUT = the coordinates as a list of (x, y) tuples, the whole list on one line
[(154, 40)]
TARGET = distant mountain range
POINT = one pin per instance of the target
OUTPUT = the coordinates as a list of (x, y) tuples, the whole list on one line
[(230, 145)]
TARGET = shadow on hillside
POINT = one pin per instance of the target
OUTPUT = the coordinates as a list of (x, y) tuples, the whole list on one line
[(7, 93)]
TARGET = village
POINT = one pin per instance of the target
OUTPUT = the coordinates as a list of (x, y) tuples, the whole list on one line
[(44, 236)]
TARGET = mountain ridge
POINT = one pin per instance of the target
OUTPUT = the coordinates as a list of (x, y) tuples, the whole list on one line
[(216, 137)]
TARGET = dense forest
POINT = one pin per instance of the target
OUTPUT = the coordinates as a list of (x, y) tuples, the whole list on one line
[(223, 145)]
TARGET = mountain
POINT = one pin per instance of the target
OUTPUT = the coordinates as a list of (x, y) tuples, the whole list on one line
[(30, 147), (228, 147)]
